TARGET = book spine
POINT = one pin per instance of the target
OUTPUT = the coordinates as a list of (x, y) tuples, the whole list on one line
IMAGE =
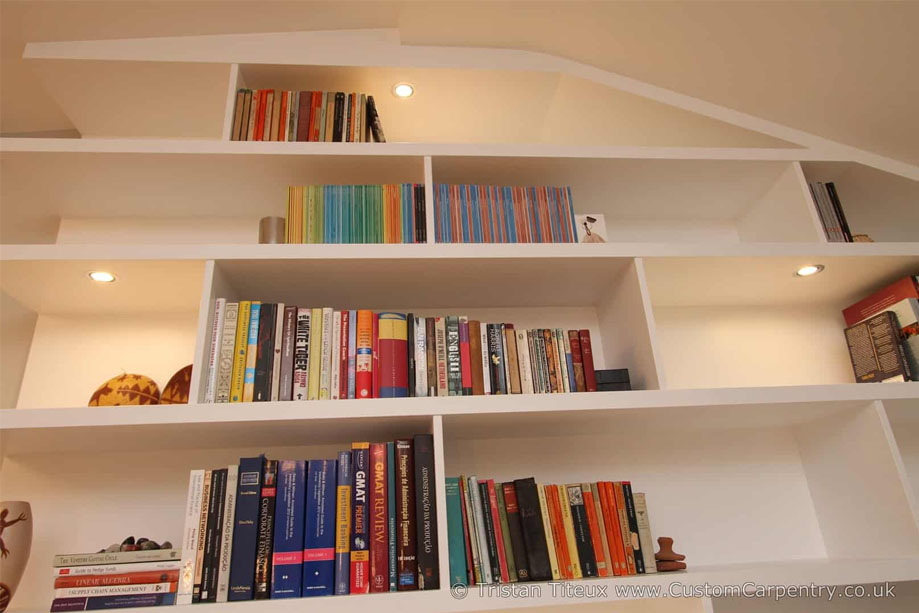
[(534, 535), (465, 357), (643, 521), (287, 553), (440, 331), (190, 535), (514, 531), (251, 351), (352, 353), (265, 541), (379, 520), (92, 570), (456, 539), (624, 528), (360, 527), (125, 601), (502, 538), (601, 527), (114, 590), (421, 355), (557, 523), (288, 349), (634, 538), (343, 524), (504, 354), (319, 539), (574, 343), (245, 529), (302, 354), (338, 125), (214, 536), (496, 361), (550, 540), (278, 348), (613, 531), (430, 354), (237, 113), (335, 365), (392, 331), (226, 538), (475, 358), (426, 513), (252, 106), (343, 354), (587, 355), (202, 537), (472, 538), (125, 578), (583, 542), (564, 350), (375, 356), (210, 391), (410, 324), (225, 357), (406, 560), (264, 353), (525, 371), (239, 352), (491, 545), (364, 375), (391, 514), (593, 522), (325, 357), (486, 359), (315, 356), (454, 364), (513, 361), (569, 534)]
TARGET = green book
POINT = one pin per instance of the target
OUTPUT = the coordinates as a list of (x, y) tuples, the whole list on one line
[(506, 533), (455, 539), (454, 367), (319, 212)]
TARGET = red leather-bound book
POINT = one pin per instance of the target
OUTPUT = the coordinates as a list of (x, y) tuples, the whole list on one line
[(304, 116), (379, 520), (587, 355), (315, 116)]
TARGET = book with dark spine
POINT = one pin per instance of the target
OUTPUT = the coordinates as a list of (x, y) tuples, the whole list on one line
[(319, 537), (118, 601), (515, 531), (426, 513), (360, 526), (376, 126), (349, 127), (288, 346), (338, 120), (491, 542), (587, 355), (379, 520), (582, 538), (430, 354), (875, 350), (410, 330), (214, 536), (226, 530), (421, 229), (454, 366), (245, 528), (504, 545), (287, 555), (480, 539), (624, 527), (343, 524), (304, 116), (574, 343), (465, 357), (264, 546), (406, 560), (238, 113), (265, 352), (475, 352), (473, 573), (391, 513), (534, 536), (496, 359), (202, 537), (633, 527)]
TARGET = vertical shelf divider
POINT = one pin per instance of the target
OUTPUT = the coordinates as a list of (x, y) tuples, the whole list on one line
[(884, 417)]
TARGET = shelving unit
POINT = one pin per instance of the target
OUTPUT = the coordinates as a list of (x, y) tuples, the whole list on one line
[(745, 428)]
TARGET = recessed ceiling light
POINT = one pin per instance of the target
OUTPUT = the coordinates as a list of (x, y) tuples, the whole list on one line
[(101, 276), (809, 270), (403, 90)]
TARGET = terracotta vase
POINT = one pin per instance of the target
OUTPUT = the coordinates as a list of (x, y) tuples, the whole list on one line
[(16, 542)]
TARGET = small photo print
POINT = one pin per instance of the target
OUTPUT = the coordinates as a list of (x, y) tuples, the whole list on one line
[(591, 228)]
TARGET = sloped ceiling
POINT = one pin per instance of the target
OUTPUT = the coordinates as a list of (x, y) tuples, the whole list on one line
[(841, 70)]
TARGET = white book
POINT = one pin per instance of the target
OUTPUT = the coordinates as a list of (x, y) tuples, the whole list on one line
[(421, 359), (113, 590), (480, 529), (190, 536), (276, 356), (336, 356), (302, 354), (523, 360), (216, 328), (507, 370), (225, 358), (561, 341), (226, 541), (116, 569), (645, 538), (325, 365), (486, 371)]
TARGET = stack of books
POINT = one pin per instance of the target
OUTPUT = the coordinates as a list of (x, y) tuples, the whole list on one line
[(89, 581), (277, 115), (274, 351), (829, 209), (523, 531), (365, 521), (491, 214), (391, 213)]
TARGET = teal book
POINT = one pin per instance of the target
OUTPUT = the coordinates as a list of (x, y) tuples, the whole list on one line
[(391, 490), (455, 540)]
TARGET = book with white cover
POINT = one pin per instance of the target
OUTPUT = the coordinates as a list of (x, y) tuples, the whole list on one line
[(477, 503), (486, 371), (210, 389), (645, 538), (523, 361), (225, 357), (276, 356), (190, 537), (421, 359), (325, 364), (226, 542)]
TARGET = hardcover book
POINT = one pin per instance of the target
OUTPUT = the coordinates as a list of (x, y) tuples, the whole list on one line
[(496, 359), (239, 352), (319, 537), (315, 364), (515, 531), (513, 366), (264, 352), (190, 535), (534, 535), (426, 513), (430, 354), (325, 359), (587, 356), (207, 485), (302, 354), (391, 514), (214, 533), (379, 519), (456, 539), (251, 351), (440, 344), (210, 391), (406, 560), (583, 543), (245, 531), (225, 357), (364, 358), (287, 558), (421, 358), (360, 519), (475, 358), (288, 347), (393, 348), (343, 524), (226, 540), (265, 542), (454, 364)]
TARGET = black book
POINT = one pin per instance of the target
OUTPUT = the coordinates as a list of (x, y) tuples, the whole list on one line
[(496, 359), (426, 513), (265, 356), (633, 527), (348, 113), (376, 126), (875, 349), (516, 531), (583, 544), (215, 536), (245, 528), (338, 121), (837, 206), (265, 543), (454, 367), (410, 326), (210, 531), (490, 536), (534, 533), (421, 227)]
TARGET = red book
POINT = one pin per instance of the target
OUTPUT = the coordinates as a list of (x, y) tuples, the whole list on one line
[(304, 116), (613, 531), (379, 520), (558, 532), (465, 357), (375, 354), (363, 378), (470, 565), (343, 351), (499, 534), (282, 123), (575, 343), (260, 114), (881, 300), (150, 576), (603, 566), (316, 116), (587, 355), (392, 344)]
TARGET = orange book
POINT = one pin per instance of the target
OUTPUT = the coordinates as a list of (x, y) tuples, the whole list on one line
[(593, 523), (260, 114), (558, 533), (624, 524), (150, 576), (613, 531), (314, 116), (363, 378)]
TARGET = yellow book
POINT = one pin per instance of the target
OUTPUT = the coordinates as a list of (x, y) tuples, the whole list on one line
[(251, 351), (569, 532), (547, 528), (239, 352), (315, 354)]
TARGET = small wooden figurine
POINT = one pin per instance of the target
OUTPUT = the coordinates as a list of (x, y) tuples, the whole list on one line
[(667, 559)]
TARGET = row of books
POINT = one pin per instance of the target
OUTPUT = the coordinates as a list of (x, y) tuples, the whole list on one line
[(829, 209), (272, 351), (283, 115), (363, 522), (121, 579), (390, 213), (492, 214), (523, 531), (882, 333)]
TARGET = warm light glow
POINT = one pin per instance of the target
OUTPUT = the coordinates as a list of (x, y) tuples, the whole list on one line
[(403, 90), (809, 270), (102, 276)]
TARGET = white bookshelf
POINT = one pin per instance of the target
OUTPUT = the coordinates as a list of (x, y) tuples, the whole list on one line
[(757, 452)]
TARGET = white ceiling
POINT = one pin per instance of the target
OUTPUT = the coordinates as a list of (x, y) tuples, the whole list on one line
[(841, 70)]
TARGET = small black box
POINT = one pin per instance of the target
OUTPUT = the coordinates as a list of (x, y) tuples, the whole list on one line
[(616, 375), (614, 387)]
